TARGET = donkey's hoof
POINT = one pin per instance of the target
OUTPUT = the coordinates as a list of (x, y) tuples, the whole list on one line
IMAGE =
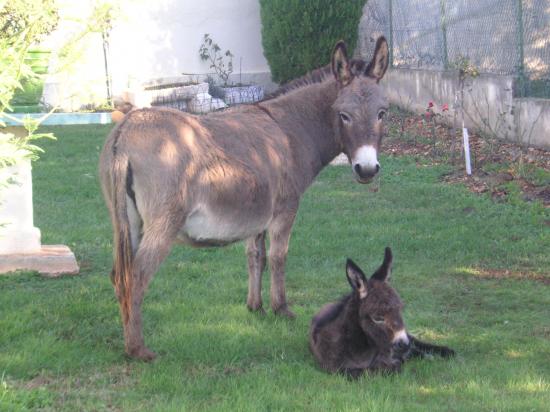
[(141, 353), (285, 312), (258, 310), (447, 352)]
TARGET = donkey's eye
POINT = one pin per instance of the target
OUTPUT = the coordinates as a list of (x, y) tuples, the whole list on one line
[(345, 117), (381, 114), (378, 319)]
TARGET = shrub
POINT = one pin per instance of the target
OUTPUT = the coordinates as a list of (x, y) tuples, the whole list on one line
[(31, 20), (25, 23), (298, 35)]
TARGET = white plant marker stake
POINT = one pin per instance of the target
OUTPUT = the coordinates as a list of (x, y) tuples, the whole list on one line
[(466, 150)]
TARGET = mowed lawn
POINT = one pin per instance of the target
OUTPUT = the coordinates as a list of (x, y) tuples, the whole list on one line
[(474, 275)]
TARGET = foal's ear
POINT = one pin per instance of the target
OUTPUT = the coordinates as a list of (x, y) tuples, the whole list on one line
[(356, 278), (380, 61), (384, 271), (340, 63)]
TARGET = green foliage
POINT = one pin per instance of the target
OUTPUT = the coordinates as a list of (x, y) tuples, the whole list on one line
[(299, 35), (25, 23), (212, 53), (466, 69), (100, 20), (30, 19), (13, 148)]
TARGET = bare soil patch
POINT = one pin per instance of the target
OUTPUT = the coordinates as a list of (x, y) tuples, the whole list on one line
[(509, 274), (498, 167)]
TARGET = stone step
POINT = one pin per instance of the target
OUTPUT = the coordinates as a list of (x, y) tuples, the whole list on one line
[(50, 261)]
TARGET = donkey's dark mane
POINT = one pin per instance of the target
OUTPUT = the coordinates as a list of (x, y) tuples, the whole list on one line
[(334, 312), (313, 77)]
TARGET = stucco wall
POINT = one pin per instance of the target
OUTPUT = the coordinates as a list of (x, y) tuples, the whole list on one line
[(158, 40), (533, 121), (161, 39)]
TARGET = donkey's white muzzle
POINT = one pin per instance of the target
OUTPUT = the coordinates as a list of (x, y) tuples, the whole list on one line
[(401, 337), (365, 163)]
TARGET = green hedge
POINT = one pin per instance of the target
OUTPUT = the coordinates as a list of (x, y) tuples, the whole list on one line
[(298, 35)]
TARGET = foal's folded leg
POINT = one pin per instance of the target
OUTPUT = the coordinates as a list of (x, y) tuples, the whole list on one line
[(353, 373), (385, 363), (420, 349)]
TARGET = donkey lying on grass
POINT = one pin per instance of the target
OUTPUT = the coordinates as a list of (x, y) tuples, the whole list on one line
[(364, 331), (234, 175)]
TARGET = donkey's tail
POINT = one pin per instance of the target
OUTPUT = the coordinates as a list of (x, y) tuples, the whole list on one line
[(121, 275)]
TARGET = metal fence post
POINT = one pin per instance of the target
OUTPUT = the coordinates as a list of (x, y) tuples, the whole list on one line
[(105, 38), (391, 31), (522, 81), (444, 32)]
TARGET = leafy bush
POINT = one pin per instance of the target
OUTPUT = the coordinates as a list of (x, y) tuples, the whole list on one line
[(31, 20), (298, 35), (25, 23), (221, 62)]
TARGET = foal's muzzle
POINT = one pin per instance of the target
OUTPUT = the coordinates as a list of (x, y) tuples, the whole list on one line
[(401, 338)]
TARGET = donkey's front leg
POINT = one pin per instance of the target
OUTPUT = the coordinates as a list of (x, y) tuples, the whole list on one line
[(420, 349), (279, 236), (255, 251)]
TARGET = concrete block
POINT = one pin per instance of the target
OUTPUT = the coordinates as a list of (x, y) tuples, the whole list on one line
[(50, 261)]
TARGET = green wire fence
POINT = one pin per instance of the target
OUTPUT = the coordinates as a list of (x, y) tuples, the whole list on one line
[(508, 37)]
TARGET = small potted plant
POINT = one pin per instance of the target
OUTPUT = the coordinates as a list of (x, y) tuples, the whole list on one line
[(27, 99), (222, 64)]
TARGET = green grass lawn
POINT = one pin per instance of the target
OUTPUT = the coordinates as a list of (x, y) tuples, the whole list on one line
[(61, 345)]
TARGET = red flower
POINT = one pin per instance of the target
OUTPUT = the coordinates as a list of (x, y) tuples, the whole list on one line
[(445, 107), (428, 115), (430, 104)]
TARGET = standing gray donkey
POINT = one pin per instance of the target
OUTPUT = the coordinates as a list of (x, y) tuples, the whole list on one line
[(234, 175), (364, 331)]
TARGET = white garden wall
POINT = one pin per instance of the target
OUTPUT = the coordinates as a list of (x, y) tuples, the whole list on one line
[(158, 40)]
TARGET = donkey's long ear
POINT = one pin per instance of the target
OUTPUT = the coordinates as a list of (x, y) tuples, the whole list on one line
[(380, 61), (384, 271), (340, 63), (356, 278)]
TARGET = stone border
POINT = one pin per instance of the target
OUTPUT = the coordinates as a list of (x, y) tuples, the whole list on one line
[(60, 118), (50, 261)]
